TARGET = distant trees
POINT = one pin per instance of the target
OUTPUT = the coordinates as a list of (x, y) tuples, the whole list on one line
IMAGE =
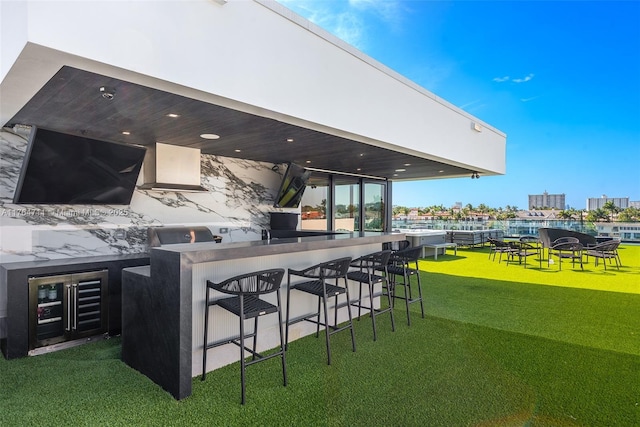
[(322, 208), (565, 214), (400, 210), (598, 215), (629, 215), (608, 213), (482, 208), (506, 215), (611, 209), (570, 214)]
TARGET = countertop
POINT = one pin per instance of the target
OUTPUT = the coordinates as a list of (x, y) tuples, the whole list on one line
[(209, 251)]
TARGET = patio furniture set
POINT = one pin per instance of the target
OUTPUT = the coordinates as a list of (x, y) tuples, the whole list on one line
[(563, 249)]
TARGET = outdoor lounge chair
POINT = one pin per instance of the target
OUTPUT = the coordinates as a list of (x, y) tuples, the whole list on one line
[(498, 247), (566, 248), (605, 251), (522, 249)]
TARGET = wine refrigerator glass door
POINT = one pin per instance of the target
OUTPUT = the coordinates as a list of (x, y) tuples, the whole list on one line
[(48, 306)]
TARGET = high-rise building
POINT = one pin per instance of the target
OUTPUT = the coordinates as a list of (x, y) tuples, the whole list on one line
[(594, 203), (546, 200)]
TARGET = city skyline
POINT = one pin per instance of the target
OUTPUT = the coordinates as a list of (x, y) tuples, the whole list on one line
[(561, 79)]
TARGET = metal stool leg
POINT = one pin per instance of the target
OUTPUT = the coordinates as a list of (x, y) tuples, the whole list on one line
[(205, 341), (243, 365), (282, 345), (420, 292), (373, 313), (407, 294), (353, 336), (286, 339), (326, 327), (393, 322), (320, 299)]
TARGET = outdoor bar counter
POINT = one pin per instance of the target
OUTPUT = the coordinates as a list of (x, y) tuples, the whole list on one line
[(163, 303)]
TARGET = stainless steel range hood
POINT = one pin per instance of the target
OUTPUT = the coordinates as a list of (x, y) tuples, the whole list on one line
[(172, 167)]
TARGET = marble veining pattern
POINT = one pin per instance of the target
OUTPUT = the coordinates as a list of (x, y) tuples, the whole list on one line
[(240, 195)]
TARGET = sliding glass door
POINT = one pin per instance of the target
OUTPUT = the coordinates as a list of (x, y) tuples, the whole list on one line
[(344, 203), (316, 203), (347, 204), (374, 206)]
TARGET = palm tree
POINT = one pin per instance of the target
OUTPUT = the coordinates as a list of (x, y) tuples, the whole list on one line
[(611, 208), (629, 214), (399, 210), (597, 215), (565, 214)]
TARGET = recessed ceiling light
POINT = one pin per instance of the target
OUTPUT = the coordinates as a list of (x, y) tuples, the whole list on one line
[(126, 132), (173, 115), (400, 170), (237, 150), (359, 169), (440, 171), (209, 136), (407, 164), (289, 139), (308, 161)]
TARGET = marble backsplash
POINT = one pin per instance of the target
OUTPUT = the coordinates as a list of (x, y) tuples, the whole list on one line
[(241, 195)]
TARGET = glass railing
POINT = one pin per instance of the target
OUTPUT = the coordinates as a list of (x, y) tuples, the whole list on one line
[(511, 227)]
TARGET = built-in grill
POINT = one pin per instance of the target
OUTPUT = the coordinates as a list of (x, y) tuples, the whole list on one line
[(158, 236)]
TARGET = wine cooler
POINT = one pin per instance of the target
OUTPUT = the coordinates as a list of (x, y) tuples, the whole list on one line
[(67, 307)]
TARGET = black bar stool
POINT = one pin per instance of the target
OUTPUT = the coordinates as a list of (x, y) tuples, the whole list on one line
[(246, 304), (318, 286), (400, 265), (372, 270)]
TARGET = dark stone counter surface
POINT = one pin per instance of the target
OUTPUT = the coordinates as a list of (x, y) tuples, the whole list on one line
[(209, 251)]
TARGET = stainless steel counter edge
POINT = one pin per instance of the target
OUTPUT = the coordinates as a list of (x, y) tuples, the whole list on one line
[(195, 253)]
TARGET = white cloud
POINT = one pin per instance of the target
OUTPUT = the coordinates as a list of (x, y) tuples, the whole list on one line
[(507, 78), (470, 104), (347, 19), (474, 106), (524, 79), (350, 28), (529, 99), (389, 11)]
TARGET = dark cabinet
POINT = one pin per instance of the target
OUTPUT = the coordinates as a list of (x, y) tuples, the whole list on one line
[(18, 329)]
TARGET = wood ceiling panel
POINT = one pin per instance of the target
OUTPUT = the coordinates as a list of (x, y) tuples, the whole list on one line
[(71, 102)]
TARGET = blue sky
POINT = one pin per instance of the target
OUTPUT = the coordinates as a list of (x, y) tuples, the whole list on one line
[(561, 79)]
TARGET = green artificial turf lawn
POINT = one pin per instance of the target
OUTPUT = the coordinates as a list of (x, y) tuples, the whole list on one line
[(573, 305), (498, 347)]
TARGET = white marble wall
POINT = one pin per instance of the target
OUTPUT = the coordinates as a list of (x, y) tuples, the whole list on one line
[(241, 194)]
